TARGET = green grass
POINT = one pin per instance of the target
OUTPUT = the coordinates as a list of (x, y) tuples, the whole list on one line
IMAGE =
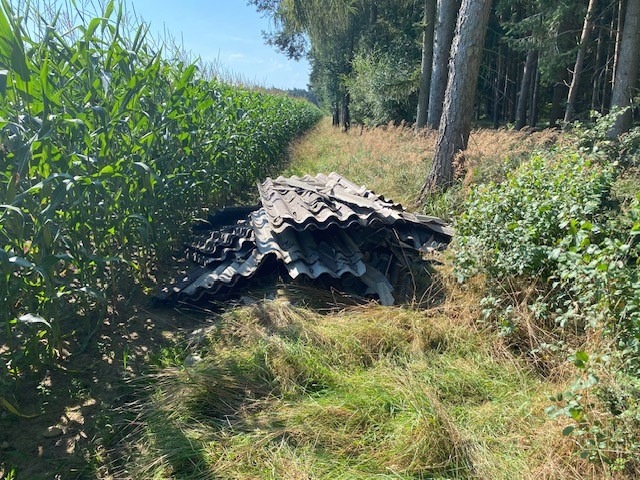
[(368, 392)]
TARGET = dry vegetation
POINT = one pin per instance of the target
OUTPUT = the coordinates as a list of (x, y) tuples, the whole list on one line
[(394, 161)]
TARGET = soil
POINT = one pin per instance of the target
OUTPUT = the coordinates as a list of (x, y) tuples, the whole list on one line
[(78, 406)]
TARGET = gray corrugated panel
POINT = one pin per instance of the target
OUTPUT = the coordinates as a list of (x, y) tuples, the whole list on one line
[(220, 252), (324, 201), (322, 225), (378, 284), (218, 244), (227, 272), (309, 253)]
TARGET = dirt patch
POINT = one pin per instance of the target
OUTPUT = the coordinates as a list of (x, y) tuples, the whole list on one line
[(76, 408)]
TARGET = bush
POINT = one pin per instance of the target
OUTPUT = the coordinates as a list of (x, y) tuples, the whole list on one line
[(382, 88), (509, 229), (554, 245)]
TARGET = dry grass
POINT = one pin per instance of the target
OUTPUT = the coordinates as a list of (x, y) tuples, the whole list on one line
[(394, 161), (390, 161)]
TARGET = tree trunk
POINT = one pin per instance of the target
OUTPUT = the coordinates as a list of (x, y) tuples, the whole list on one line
[(497, 88), (455, 125), (627, 70), (513, 90), (345, 119), (335, 117), (599, 72), (535, 89), (427, 61), (607, 82), (619, 24), (559, 94), (525, 85), (577, 70), (447, 10)]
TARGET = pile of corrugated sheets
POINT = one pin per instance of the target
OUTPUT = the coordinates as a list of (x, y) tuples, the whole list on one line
[(311, 226)]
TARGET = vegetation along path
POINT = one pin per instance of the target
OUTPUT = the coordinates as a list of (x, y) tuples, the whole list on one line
[(517, 352), (302, 385)]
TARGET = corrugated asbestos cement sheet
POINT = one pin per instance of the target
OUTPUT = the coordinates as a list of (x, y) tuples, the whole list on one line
[(322, 225)]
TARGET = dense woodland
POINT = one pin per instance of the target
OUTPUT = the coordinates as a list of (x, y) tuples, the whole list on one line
[(366, 57), (542, 62)]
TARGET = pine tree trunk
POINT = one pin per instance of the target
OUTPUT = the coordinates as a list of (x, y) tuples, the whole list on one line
[(521, 112), (559, 94), (577, 69), (619, 26), (373, 13), (497, 87), (455, 125), (513, 90), (427, 62), (447, 11), (607, 82), (598, 74), (535, 89), (624, 86), (345, 119)]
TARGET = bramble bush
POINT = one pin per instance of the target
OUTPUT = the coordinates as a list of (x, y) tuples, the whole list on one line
[(108, 150), (555, 245)]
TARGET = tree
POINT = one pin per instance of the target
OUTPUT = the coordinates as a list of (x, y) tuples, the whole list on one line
[(525, 85), (427, 62), (330, 27), (577, 69), (455, 125), (627, 69), (447, 11)]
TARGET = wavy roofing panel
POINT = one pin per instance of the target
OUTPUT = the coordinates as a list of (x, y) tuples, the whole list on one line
[(323, 201), (313, 226)]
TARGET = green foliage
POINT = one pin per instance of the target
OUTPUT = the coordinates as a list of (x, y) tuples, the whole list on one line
[(594, 137), (510, 229), (108, 152), (382, 88), (554, 228)]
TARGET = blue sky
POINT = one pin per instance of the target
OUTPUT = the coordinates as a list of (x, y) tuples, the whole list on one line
[(228, 32)]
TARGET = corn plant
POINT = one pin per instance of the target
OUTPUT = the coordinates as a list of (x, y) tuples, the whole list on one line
[(108, 149)]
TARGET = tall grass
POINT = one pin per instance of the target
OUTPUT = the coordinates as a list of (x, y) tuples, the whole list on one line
[(369, 392), (279, 390), (393, 160), (108, 150)]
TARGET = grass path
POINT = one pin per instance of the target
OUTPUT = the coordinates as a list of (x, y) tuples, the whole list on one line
[(283, 390), (303, 387)]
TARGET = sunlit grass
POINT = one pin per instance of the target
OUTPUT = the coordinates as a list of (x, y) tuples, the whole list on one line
[(369, 392), (360, 392)]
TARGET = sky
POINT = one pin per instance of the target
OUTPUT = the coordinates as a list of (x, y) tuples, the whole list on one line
[(227, 32)]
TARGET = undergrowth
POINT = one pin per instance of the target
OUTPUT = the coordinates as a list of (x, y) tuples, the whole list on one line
[(557, 245)]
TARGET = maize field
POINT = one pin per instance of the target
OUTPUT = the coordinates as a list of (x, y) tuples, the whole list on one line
[(109, 148)]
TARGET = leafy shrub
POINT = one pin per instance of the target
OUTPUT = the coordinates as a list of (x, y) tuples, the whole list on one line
[(553, 228), (509, 229), (593, 138), (381, 87)]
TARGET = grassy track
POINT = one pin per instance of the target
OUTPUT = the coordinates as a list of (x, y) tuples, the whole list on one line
[(279, 390)]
